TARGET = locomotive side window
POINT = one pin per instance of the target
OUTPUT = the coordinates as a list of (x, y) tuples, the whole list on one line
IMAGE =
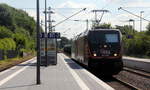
[(111, 38)]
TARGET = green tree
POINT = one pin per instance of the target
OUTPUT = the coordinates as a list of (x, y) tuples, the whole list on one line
[(18, 25), (13, 18), (64, 41), (21, 40), (5, 32), (7, 44), (126, 29), (102, 26), (148, 29)]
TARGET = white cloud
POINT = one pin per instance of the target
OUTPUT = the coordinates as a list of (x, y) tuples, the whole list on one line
[(71, 4), (76, 27), (31, 13), (139, 3), (132, 3), (122, 19), (112, 0)]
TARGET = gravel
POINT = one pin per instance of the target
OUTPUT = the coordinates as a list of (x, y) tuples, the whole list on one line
[(140, 82)]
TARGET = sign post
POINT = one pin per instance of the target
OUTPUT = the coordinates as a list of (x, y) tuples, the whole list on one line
[(38, 45)]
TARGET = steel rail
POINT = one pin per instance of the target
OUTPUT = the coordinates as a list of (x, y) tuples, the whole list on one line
[(138, 72), (127, 84)]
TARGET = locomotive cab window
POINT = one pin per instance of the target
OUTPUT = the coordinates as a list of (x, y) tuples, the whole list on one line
[(111, 38), (103, 37)]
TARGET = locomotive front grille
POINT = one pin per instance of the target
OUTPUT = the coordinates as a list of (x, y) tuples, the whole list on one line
[(104, 52)]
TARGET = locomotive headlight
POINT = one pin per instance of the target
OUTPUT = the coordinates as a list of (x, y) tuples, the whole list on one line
[(105, 46), (94, 54), (115, 54)]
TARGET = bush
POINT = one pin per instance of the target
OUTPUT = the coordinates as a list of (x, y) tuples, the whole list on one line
[(7, 44), (5, 32), (139, 45)]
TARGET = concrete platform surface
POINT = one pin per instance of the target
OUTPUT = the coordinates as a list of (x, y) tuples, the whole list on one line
[(137, 59), (66, 75), (137, 63)]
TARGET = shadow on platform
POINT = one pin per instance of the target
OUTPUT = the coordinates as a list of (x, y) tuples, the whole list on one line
[(72, 64), (28, 64)]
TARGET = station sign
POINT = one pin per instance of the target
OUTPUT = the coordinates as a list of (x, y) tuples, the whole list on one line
[(42, 35), (53, 35)]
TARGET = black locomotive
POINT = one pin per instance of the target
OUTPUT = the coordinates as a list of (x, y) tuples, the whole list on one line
[(67, 49), (99, 49)]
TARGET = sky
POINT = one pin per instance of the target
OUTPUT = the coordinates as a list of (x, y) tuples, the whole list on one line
[(66, 8)]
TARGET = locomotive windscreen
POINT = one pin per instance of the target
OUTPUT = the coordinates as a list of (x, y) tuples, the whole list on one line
[(111, 38), (96, 37)]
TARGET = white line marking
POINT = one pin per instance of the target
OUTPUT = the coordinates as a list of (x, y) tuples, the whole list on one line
[(13, 75), (3, 72), (82, 85), (101, 83)]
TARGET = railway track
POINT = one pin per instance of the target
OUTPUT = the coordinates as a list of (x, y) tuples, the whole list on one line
[(118, 84), (138, 72), (136, 79), (130, 86), (124, 81)]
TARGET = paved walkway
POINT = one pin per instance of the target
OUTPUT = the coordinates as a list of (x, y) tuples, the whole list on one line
[(66, 75), (137, 63)]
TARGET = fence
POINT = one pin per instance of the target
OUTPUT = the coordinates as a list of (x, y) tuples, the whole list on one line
[(11, 54), (1, 54), (8, 54)]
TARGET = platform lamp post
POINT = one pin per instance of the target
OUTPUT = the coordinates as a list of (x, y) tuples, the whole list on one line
[(131, 20), (38, 45), (141, 20)]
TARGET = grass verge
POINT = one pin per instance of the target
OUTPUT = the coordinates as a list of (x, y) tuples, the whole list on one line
[(5, 64)]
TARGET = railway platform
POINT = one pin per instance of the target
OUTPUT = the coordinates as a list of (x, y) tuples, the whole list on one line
[(137, 63), (66, 75)]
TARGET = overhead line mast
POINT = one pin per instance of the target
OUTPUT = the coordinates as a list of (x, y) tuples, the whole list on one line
[(50, 19)]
